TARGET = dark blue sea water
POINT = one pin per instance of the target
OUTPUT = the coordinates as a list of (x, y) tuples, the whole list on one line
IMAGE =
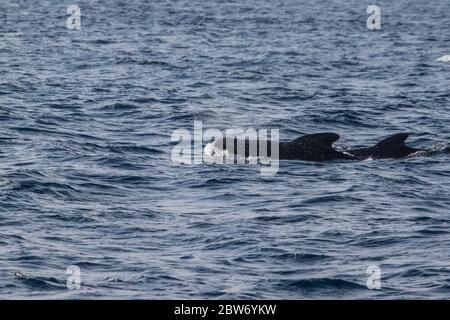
[(86, 177)]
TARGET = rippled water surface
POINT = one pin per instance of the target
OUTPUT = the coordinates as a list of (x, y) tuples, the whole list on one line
[(86, 177)]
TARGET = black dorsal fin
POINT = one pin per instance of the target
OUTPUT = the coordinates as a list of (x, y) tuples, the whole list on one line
[(325, 139), (397, 140)]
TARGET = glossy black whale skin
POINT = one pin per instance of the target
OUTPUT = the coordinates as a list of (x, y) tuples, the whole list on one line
[(319, 147), (391, 148), (313, 147)]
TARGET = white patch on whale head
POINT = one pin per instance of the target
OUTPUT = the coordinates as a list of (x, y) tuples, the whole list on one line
[(215, 153), (218, 154), (209, 149)]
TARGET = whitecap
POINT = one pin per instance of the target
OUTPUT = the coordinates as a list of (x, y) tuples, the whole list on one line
[(445, 58)]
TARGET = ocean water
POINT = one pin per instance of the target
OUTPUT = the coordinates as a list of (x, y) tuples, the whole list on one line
[(87, 180)]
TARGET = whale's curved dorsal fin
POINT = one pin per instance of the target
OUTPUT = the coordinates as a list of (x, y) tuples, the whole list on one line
[(323, 139), (397, 140)]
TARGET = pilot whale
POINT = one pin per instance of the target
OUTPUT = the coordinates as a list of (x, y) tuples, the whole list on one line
[(390, 148), (319, 147)]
